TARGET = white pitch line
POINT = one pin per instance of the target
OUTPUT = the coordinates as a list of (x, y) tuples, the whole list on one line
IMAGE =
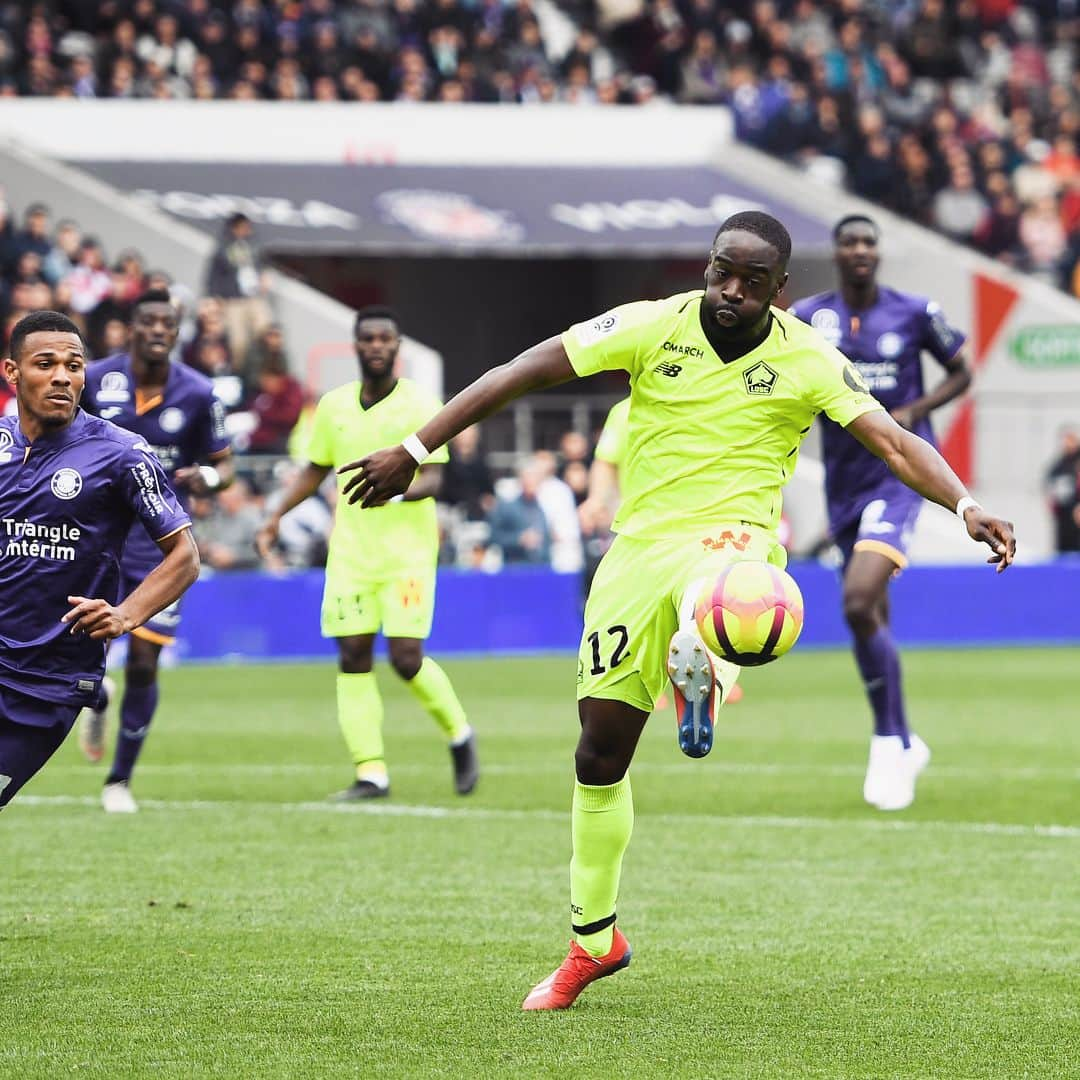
[(735, 768), (876, 824)]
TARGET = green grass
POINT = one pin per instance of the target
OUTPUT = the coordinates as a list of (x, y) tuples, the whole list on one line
[(240, 927)]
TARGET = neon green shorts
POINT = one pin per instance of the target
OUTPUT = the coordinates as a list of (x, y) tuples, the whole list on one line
[(632, 609), (402, 606)]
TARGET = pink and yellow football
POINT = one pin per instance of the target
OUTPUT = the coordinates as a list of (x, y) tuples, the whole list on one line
[(750, 614)]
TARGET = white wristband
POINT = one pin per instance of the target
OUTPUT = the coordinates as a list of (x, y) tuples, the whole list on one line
[(396, 498), (965, 504), (416, 449), (210, 476)]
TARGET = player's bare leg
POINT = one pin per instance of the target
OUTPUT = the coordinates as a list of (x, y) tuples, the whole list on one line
[(602, 821), (432, 687), (360, 716), (896, 755)]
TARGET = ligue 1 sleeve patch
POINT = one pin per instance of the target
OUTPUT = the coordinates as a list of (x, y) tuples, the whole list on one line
[(589, 333), (854, 380)]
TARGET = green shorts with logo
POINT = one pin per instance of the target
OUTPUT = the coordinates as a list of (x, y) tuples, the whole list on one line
[(401, 605), (633, 606)]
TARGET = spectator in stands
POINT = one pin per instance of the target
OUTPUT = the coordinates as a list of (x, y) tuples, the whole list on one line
[(226, 537), (1063, 491), (268, 348), (277, 406), (519, 527), (34, 235), (560, 508), (467, 484), (64, 253), (89, 281), (236, 276), (208, 351)]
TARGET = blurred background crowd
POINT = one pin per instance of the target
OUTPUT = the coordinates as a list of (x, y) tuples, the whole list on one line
[(962, 115)]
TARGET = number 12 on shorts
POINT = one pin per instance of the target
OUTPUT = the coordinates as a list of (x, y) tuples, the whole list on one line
[(618, 650)]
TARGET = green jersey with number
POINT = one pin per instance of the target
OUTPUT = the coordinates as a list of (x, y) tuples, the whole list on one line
[(379, 543), (710, 442)]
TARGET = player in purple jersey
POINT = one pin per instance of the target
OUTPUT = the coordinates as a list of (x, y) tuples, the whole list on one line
[(871, 514), (71, 487), (173, 408)]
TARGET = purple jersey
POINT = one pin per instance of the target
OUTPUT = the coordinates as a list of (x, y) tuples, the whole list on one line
[(184, 425), (67, 502), (885, 342)]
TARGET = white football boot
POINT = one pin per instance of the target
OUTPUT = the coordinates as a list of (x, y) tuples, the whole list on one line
[(891, 771), (117, 799), (93, 724)]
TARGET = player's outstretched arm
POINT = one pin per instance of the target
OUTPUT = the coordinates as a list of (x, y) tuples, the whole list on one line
[(164, 585), (922, 468), (302, 487), (956, 381), (386, 473)]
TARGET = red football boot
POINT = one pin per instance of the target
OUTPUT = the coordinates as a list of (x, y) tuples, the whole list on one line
[(561, 988)]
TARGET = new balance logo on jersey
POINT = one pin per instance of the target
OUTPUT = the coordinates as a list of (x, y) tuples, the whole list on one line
[(666, 367), (760, 379)]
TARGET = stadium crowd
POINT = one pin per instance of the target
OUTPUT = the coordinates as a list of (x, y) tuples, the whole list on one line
[(961, 115)]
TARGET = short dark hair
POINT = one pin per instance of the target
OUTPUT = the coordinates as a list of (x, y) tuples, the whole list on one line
[(850, 219), (375, 311), (36, 322), (762, 225), (151, 296), (236, 219)]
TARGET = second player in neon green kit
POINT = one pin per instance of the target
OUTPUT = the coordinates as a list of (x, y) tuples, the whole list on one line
[(723, 388), (380, 570)]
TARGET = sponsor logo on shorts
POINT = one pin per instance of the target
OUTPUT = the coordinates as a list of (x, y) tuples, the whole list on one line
[(760, 379), (726, 539)]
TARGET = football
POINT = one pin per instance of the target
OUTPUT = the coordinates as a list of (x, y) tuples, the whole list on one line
[(751, 614)]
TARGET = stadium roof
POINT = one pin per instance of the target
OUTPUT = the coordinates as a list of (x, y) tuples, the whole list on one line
[(398, 209)]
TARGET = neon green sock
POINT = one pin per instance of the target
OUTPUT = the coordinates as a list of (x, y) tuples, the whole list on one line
[(431, 685), (601, 823), (360, 715)]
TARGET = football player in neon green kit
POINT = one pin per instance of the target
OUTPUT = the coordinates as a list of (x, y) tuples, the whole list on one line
[(723, 389), (380, 571)]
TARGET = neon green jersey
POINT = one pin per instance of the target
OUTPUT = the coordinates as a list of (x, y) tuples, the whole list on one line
[(711, 442), (611, 446), (375, 544)]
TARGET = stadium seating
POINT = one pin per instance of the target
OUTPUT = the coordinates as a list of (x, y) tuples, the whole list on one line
[(963, 116)]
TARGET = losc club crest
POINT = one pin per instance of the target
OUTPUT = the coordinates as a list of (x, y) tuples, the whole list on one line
[(448, 216), (760, 379), (66, 483)]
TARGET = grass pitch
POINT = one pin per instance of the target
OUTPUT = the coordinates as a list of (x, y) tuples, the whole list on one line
[(241, 927)]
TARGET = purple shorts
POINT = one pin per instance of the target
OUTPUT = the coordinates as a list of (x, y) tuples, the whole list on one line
[(885, 525), (31, 731)]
